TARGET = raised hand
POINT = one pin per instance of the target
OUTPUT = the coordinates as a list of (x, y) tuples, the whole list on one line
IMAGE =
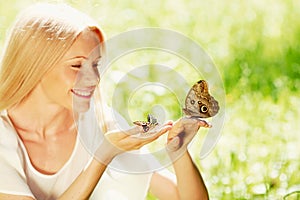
[(182, 132)]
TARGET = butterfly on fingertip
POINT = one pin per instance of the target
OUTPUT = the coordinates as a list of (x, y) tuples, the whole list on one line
[(199, 103)]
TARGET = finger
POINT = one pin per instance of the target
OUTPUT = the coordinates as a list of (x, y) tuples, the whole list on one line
[(186, 121), (160, 127), (150, 138), (203, 123), (160, 130), (174, 144), (170, 122), (134, 130), (154, 133)]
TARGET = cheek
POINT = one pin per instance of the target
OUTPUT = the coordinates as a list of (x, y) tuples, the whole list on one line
[(68, 78), (69, 75), (60, 82)]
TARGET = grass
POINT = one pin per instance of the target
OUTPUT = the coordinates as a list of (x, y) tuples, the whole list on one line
[(256, 157), (257, 154)]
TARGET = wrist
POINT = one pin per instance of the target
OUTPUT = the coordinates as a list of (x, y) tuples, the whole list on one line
[(176, 154), (105, 153)]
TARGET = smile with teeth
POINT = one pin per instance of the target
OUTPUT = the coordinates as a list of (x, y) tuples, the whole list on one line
[(82, 93)]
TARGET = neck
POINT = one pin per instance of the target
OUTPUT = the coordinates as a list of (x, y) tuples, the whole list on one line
[(41, 118)]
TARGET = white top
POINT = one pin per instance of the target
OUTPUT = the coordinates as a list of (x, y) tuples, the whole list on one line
[(19, 177)]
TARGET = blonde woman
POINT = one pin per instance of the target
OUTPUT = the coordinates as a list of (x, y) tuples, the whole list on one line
[(48, 76)]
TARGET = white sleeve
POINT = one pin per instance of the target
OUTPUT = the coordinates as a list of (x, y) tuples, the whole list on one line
[(13, 180)]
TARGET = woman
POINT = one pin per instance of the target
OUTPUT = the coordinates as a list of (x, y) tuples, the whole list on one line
[(48, 76)]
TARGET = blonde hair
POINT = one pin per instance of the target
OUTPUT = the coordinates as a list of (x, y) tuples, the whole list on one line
[(39, 38)]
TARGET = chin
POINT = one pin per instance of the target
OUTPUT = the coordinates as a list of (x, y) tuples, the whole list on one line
[(81, 107)]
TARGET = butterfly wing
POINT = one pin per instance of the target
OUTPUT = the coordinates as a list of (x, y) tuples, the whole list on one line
[(199, 103), (149, 124), (191, 105), (152, 120)]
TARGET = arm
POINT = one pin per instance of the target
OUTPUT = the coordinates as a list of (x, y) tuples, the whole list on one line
[(190, 184), (85, 183), (81, 188), (163, 187), (114, 143), (186, 172), (189, 180)]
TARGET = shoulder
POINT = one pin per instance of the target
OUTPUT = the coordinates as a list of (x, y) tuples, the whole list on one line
[(13, 179), (8, 136), (9, 146)]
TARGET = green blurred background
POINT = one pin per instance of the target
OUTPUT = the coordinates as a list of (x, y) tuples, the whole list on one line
[(256, 48)]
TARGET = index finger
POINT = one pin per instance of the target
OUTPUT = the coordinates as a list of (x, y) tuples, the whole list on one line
[(155, 132), (134, 130), (202, 123)]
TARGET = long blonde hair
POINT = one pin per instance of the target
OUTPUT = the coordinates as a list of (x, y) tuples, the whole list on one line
[(39, 38)]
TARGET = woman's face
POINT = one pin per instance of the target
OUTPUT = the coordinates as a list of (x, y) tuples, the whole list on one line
[(72, 82)]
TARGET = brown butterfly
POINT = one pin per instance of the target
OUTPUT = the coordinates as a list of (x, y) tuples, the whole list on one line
[(199, 103), (147, 125)]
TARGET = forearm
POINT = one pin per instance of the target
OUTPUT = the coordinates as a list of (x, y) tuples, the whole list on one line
[(189, 180), (85, 183)]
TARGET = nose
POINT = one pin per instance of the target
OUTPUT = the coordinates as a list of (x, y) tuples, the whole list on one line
[(88, 75)]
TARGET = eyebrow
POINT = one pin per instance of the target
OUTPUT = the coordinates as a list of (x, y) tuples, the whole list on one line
[(79, 57), (83, 58)]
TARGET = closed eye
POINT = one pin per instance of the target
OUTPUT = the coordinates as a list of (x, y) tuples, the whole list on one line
[(76, 66)]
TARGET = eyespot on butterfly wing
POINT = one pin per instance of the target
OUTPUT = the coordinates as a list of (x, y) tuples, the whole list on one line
[(199, 103)]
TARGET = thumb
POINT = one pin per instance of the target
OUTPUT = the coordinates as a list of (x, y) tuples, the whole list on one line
[(174, 144)]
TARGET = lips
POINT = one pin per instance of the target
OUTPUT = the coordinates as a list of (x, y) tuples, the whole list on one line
[(82, 92)]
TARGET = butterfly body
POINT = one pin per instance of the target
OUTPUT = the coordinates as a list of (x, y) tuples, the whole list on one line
[(147, 125), (199, 103)]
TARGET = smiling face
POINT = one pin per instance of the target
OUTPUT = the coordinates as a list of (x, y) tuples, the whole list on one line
[(71, 83)]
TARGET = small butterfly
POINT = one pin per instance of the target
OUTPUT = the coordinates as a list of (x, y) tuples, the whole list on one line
[(147, 125), (199, 103)]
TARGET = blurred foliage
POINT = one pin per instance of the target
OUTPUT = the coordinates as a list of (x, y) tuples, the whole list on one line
[(257, 155), (255, 43), (256, 47)]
